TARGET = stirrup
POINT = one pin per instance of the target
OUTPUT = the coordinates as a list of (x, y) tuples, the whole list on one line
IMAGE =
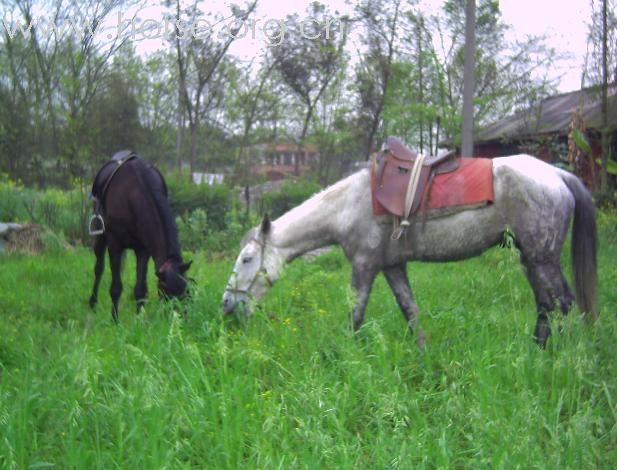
[(96, 225), (399, 229)]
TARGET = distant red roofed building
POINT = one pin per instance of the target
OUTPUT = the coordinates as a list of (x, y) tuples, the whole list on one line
[(279, 161)]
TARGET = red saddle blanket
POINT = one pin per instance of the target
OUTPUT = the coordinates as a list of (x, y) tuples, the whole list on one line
[(471, 185)]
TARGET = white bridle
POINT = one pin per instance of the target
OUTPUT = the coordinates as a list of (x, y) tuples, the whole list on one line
[(232, 285)]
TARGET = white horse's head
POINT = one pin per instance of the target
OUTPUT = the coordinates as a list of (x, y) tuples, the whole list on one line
[(254, 271)]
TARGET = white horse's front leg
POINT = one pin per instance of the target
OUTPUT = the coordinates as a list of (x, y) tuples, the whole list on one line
[(399, 283), (362, 278)]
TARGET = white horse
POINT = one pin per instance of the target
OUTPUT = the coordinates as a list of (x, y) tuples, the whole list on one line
[(534, 201)]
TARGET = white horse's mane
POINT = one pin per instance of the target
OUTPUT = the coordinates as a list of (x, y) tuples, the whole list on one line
[(333, 195)]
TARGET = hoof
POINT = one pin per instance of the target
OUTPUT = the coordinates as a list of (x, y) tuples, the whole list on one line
[(140, 306), (540, 342), (542, 331), (421, 340), (541, 336)]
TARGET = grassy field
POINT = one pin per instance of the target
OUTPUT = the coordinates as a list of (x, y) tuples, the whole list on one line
[(183, 387)]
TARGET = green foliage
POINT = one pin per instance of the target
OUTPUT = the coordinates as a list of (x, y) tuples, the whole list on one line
[(581, 141), (193, 228), (197, 233), (611, 166), (605, 200), (185, 197), (12, 195), (291, 194), (208, 217), (53, 242), (64, 212), (181, 386), (607, 220)]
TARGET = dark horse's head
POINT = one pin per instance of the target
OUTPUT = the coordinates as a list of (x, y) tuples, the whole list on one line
[(172, 280)]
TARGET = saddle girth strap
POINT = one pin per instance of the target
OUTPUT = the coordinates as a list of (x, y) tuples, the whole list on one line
[(412, 188)]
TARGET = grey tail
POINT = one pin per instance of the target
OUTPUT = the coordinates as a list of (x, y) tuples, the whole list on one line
[(584, 248)]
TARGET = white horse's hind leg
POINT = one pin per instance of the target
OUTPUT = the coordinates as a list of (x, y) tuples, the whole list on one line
[(399, 283), (549, 285)]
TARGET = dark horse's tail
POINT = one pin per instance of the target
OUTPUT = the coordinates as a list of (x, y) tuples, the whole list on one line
[(584, 247)]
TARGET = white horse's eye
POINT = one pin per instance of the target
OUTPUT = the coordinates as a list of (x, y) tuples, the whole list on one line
[(247, 260)]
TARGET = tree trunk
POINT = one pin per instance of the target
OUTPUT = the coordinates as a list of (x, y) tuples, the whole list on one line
[(604, 130), (194, 128), (179, 128), (469, 79)]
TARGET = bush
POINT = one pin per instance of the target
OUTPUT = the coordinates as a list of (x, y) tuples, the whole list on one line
[(605, 200), (192, 229), (607, 223), (64, 212), (291, 194), (186, 197), (196, 233)]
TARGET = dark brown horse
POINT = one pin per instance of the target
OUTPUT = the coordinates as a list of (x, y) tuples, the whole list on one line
[(132, 211)]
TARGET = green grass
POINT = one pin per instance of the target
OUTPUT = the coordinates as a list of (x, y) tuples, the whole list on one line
[(292, 387)]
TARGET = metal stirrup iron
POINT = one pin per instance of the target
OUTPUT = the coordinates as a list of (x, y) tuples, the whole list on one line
[(96, 225)]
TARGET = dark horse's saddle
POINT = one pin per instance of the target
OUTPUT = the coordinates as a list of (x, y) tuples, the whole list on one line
[(101, 184), (401, 177)]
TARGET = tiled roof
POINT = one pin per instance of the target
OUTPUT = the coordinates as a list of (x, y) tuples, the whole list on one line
[(553, 115)]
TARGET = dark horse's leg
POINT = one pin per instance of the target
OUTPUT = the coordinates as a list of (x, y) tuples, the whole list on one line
[(399, 283), (362, 277), (141, 285), (99, 252), (115, 290)]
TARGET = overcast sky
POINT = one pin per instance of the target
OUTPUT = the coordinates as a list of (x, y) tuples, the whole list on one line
[(564, 22)]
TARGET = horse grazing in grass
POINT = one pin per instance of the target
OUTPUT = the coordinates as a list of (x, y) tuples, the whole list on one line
[(131, 200), (534, 201)]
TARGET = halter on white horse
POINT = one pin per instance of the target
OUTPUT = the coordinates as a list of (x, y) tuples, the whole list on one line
[(232, 285)]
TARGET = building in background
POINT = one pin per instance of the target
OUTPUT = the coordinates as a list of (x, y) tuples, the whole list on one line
[(546, 131), (279, 161)]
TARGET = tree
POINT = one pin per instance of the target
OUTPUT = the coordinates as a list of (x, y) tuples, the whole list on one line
[(508, 76), (334, 129), (381, 19), (156, 82), (250, 104), (602, 70), (114, 117), (56, 66), (17, 112), (199, 57), (308, 59), (415, 101)]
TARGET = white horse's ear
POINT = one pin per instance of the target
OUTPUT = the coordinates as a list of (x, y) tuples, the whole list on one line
[(265, 225)]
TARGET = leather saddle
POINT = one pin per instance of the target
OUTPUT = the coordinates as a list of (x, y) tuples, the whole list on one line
[(394, 167), (103, 178)]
